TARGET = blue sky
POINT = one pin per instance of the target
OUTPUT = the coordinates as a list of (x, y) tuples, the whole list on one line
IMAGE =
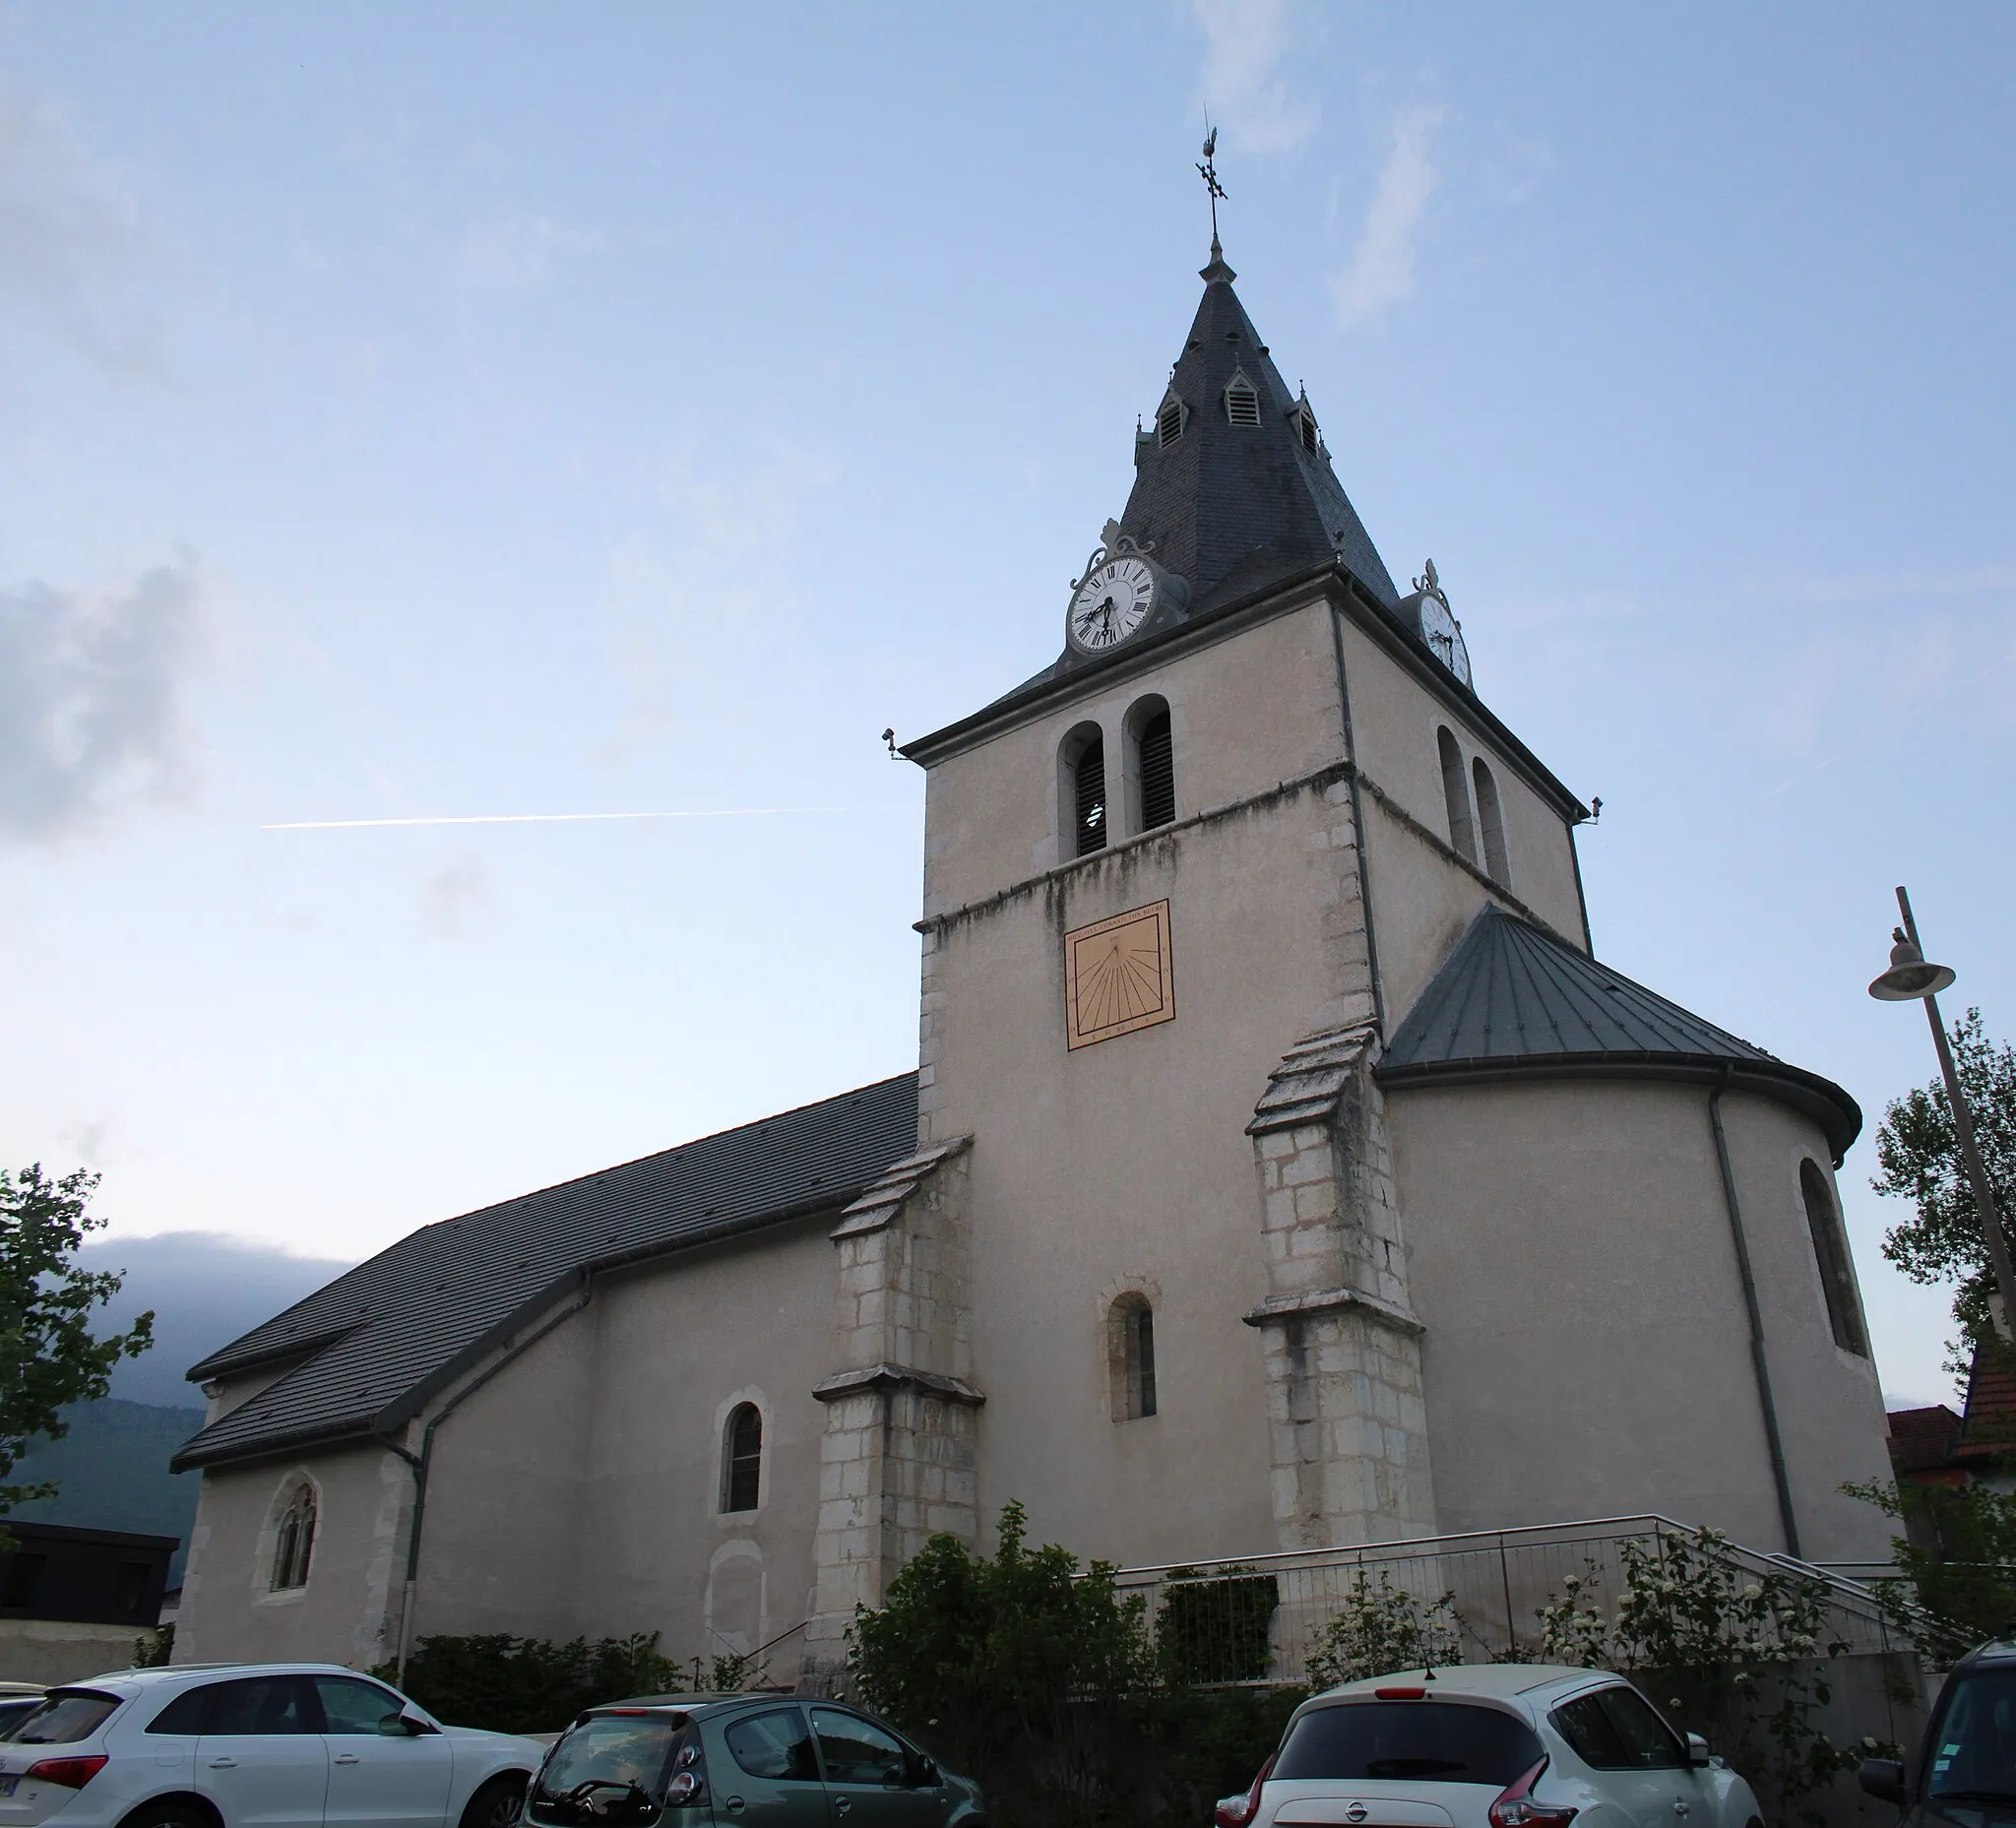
[(504, 409)]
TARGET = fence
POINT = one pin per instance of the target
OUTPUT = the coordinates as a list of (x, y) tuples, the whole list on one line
[(1259, 1618)]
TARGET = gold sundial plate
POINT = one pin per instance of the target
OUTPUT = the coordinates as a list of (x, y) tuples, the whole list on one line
[(1117, 977)]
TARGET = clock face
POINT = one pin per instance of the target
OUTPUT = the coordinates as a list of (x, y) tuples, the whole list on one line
[(1111, 605), (1444, 638)]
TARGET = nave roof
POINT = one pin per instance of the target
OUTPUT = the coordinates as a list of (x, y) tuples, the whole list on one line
[(364, 1354)]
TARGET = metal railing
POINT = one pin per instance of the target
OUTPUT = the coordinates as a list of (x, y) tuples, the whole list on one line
[(1258, 1618)]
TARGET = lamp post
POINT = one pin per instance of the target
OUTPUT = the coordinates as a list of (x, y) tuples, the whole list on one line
[(1910, 980)]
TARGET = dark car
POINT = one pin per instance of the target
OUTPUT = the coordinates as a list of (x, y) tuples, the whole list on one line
[(1965, 1772), (762, 1761)]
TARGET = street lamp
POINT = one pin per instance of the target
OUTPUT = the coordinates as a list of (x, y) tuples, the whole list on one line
[(1910, 979)]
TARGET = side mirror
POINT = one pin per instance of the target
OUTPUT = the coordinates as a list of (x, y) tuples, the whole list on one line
[(929, 1777), (1883, 1779), (1697, 1750)]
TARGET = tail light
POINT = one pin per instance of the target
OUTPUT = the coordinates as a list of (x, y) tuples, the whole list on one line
[(1240, 1811), (1517, 1808), (689, 1778), (71, 1773)]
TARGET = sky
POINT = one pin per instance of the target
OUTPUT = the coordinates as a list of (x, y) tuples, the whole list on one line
[(485, 411)]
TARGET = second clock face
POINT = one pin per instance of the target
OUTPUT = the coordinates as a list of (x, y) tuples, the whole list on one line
[(1111, 605)]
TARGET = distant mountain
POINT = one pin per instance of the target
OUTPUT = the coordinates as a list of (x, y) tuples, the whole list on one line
[(113, 1469), (206, 1289)]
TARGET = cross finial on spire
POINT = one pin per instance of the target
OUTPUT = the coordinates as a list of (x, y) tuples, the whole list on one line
[(1213, 189)]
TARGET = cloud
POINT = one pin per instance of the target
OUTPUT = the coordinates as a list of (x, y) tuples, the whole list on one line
[(516, 250), (1381, 270), (456, 896), (73, 245), (1244, 42), (90, 713)]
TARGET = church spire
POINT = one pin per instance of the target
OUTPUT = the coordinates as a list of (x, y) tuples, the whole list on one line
[(1234, 485)]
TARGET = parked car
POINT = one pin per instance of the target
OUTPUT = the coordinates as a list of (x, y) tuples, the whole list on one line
[(1491, 1745), (767, 1761), (1966, 1769), (254, 1745)]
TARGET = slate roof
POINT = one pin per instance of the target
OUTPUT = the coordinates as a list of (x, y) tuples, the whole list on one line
[(1923, 1440), (1513, 1001), (1232, 507), (377, 1343)]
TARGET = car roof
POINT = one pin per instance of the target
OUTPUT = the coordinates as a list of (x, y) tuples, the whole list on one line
[(177, 1672), (689, 1704), (1496, 1681)]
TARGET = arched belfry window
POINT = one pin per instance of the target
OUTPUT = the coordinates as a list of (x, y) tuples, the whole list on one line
[(1151, 765), (1456, 797), (1241, 400), (1830, 1253), (1082, 807), (1130, 1357), (293, 1540), (741, 1459), (1490, 819)]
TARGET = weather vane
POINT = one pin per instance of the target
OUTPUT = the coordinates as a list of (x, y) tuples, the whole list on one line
[(1213, 188)]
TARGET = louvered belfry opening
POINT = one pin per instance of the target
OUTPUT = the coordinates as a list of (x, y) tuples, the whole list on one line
[(1089, 794), (1242, 403), (1169, 422), (1158, 773)]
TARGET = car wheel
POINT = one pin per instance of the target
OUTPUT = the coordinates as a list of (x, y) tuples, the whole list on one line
[(171, 1812), (498, 1803)]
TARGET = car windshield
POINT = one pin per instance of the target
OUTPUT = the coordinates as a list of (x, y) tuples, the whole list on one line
[(1424, 1741), (64, 1717), (1973, 1756), (612, 1768)]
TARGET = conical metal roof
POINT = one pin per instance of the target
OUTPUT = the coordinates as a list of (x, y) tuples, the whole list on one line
[(1513, 1001)]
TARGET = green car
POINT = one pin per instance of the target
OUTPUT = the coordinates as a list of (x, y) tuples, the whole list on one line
[(743, 1761)]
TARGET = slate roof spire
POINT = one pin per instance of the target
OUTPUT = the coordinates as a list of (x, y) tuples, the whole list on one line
[(1231, 506)]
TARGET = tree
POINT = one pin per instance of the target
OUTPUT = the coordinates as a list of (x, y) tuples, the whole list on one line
[(1958, 1554), (48, 1356), (1919, 1156)]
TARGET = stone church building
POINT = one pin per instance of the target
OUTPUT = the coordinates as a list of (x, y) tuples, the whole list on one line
[(1280, 1169)]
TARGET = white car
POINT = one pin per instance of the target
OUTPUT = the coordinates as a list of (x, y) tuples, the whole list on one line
[(1491, 1745), (254, 1745)]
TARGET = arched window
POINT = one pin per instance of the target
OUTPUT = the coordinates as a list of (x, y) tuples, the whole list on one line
[(1456, 796), (1830, 1252), (1152, 765), (741, 1459), (293, 1543), (1083, 812), (1131, 1356), (1490, 818)]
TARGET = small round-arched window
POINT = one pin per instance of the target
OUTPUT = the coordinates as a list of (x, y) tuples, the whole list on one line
[(741, 1459), (1130, 1357), (293, 1541)]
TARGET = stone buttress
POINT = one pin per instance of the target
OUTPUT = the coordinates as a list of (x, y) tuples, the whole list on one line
[(897, 1461)]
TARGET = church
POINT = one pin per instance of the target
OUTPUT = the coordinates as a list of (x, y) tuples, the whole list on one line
[(1281, 1169)]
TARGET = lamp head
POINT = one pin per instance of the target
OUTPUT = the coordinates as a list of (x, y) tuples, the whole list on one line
[(1910, 978)]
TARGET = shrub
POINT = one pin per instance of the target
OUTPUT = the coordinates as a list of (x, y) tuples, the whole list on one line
[(512, 1684), (1216, 1627), (1384, 1628)]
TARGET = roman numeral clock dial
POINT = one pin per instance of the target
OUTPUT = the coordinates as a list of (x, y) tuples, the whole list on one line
[(1111, 605)]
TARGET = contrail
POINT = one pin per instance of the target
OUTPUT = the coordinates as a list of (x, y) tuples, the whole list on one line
[(542, 818)]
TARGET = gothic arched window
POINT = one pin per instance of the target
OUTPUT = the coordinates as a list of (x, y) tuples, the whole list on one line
[(1084, 807), (1151, 764), (1130, 1357), (1490, 818), (1456, 797), (1830, 1253), (293, 1541), (741, 1459)]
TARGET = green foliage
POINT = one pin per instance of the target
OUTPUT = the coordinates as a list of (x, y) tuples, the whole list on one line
[(1739, 1655), (1919, 1156), (1211, 1742), (977, 1655), (1382, 1629), (47, 1355), (512, 1684), (155, 1649), (1216, 1627), (1958, 1557)]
